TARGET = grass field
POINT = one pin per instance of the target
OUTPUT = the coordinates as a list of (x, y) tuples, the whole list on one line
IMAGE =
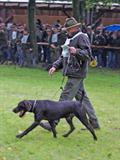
[(16, 84)]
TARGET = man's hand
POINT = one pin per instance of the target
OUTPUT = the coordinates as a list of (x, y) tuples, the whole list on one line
[(72, 50), (52, 70)]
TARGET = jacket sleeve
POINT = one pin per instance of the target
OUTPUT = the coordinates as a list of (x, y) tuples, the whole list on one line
[(58, 64), (83, 48)]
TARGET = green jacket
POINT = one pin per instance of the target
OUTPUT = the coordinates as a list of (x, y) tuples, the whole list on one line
[(77, 64)]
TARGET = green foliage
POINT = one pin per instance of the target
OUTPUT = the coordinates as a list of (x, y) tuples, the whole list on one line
[(91, 3), (17, 84)]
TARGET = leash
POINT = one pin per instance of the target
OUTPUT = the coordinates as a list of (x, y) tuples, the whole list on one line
[(55, 93), (64, 74), (61, 87)]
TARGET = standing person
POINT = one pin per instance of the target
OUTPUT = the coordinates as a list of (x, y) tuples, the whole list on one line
[(25, 42), (54, 43), (99, 40), (46, 48), (118, 51), (90, 34), (75, 63), (13, 43), (3, 44)]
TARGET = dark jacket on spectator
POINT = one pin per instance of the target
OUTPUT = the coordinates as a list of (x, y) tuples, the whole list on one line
[(99, 40), (3, 38)]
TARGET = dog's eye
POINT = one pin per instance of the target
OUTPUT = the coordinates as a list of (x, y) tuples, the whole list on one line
[(20, 107)]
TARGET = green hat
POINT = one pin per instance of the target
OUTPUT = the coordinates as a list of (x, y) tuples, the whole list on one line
[(70, 23)]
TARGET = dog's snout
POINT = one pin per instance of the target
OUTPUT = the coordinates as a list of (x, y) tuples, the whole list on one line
[(15, 110)]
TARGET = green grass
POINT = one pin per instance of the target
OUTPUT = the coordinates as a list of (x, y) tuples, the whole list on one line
[(16, 84)]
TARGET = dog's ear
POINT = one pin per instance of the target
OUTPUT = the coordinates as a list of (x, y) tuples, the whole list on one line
[(27, 104)]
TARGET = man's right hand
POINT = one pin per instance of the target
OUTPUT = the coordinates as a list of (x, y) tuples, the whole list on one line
[(52, 70)]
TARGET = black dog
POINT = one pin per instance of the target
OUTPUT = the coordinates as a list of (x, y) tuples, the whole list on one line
[(51, 111)]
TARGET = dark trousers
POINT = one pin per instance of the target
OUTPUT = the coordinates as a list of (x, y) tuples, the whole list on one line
[(47, 54), (73, 89)]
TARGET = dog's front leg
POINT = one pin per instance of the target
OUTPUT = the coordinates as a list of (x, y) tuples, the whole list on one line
[(35, 124), (52, 124)]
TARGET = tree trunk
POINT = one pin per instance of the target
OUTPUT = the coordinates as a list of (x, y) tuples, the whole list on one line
[(79, 10), (32, 28), (76, 12), (82, 7)]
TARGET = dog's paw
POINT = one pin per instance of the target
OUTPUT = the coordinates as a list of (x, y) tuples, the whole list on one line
[(95, 138), (65, 135), (19, 136)]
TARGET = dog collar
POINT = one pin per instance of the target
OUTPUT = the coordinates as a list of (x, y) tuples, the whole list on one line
[(34, 104)]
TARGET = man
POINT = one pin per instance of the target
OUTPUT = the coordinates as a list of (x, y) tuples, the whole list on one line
[(75, 64), (3, 44), (74, 60)]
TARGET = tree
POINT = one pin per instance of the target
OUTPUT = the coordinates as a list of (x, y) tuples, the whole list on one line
[(79, 7), (76, 12), (32, 27), (92, 2)]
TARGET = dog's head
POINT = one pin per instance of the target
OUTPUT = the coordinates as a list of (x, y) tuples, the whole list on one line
[(22, 108)]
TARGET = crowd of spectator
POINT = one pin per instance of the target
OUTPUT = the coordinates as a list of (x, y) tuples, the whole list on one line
[(107, 51), (15, 45)]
